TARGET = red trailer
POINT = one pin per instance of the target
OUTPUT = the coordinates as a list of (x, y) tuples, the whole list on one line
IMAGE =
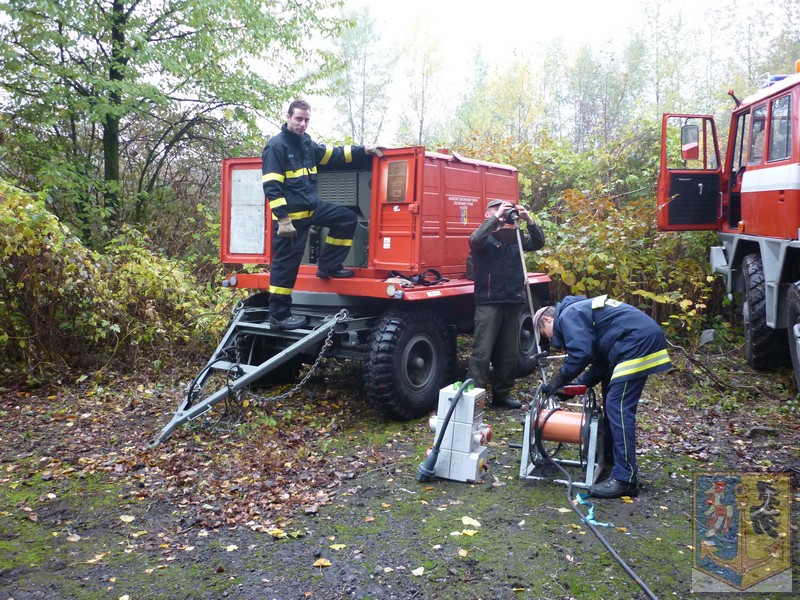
[(400, 314)]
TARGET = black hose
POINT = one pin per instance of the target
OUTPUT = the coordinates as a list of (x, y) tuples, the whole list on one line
[(583, 517), (426, 468)]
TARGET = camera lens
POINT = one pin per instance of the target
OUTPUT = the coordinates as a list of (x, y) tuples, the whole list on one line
[(512, 216)]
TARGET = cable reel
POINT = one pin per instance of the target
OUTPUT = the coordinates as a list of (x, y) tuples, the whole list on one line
[(549, 429)]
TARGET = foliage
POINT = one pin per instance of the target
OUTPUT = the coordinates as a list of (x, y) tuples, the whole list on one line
[(363, 84), (603, 246), (62, 304), (99, 97)]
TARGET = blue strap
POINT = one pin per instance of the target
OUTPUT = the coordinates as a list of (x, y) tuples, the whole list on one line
[(589, 518)]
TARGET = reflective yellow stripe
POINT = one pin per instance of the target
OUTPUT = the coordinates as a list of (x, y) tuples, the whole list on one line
[(304, 172), (272, 177), (348, 154), (338, 241), (274, 289), (327, 156), (305, 214), (296, 174), (637, 365), (273, 204), (599, 301)]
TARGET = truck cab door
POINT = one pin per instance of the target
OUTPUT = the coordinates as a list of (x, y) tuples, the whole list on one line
[(690, 177)]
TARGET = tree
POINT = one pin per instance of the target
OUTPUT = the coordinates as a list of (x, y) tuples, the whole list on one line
[(417, 126), (362, 86), (77, 74)]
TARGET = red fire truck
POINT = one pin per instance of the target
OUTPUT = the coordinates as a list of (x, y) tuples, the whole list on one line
[(753, 199), (400, 314)]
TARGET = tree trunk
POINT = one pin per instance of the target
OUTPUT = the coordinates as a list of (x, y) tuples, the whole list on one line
[(116, 74)]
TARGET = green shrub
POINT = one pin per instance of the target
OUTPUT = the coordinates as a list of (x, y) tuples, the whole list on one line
[(64, 305), (601, 246)]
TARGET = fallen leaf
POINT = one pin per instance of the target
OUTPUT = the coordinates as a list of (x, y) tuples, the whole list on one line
[(127, 518), (626, 499), (388, 570), (337, 546), (277, 533), (384, 505), (470, 521), (322, 562), (469, 532), (462, 552), (563, 510), (232, 547), (622, 529), (417, 572), (97, 558)]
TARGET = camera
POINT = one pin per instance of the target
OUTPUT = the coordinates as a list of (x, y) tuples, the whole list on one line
[(512, 216)]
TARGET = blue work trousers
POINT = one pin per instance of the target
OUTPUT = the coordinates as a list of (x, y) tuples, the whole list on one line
[(621, 401)]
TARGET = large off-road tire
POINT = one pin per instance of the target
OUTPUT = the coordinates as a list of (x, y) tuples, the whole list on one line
[(526, 363), (793, 328), (764, 348), (409, 360)]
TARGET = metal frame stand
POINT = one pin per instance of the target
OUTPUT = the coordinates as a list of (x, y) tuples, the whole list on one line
[(533, 464)]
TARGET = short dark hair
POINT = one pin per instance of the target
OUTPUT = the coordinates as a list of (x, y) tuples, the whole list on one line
[(301, 104)]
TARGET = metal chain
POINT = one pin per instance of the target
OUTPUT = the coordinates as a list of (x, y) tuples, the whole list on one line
[(261, 401)]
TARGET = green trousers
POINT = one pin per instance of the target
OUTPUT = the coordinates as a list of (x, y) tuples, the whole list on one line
[(495, 341)]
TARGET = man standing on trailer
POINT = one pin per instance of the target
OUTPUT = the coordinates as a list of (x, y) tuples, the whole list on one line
[(499, 296), (623, 346), (289, 175)]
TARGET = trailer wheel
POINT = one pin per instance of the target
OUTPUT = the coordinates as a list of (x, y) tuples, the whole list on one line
[(526, 363), (763, 348), (793, 328), (408, 363)]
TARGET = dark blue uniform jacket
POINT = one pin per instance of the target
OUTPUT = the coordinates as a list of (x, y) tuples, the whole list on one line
[(619, 341)]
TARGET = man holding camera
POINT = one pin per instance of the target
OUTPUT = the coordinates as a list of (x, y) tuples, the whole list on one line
[(500, 296)]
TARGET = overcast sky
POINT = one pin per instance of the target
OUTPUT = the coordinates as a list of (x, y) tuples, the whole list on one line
[(499, 28)]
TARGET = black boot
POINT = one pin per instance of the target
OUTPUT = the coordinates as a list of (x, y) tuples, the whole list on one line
[(290, 322), (614, 488)]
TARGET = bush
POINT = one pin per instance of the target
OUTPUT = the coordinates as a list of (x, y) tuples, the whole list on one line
[(63, 305), (599, 246)]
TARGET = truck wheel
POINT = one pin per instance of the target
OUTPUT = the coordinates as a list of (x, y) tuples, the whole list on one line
[(408, 362), (793, 328), (763, 348), (527, 345)]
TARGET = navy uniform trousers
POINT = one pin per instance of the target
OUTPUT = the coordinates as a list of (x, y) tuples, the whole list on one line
[(287, 253), (621, 401)]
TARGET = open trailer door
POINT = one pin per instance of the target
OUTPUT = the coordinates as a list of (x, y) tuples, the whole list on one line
[(243, 235), (690, 178)]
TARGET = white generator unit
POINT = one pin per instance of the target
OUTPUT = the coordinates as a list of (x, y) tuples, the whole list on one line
[(461, 453)]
